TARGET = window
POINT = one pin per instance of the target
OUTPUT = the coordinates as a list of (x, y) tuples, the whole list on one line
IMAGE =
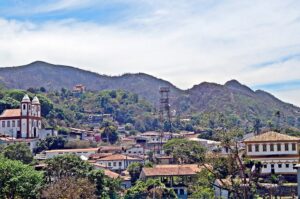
[(256, 148), (19, 123), (293, 147), (3, 123), (271, 147), (294, 166), (13, 123), (109, 164), (181, 192), (279, 165), (24, 106), (278, 147), (265, 166), (264, 147), (120, 163), (115, 164), (286, 146), (287, 165), (249, 148), (8, 123)]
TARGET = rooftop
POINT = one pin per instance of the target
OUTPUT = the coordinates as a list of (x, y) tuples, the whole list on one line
[(72, 150), (118, 157), (11, 113), (172, 170), (271, 136)]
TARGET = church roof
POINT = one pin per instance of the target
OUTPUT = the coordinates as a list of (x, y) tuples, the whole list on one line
[(11, 113), (26, 98), (271, 136), (35, 100)]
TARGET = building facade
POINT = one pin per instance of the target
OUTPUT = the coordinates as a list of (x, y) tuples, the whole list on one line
[(118, 162), (24, 122), (278, 153)]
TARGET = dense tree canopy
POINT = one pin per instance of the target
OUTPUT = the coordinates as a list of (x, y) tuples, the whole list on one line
[(50, 143), (134, 170), (65, 166), (185, 151), (18, 180), (70, 187), (150, 189), (18, 151)]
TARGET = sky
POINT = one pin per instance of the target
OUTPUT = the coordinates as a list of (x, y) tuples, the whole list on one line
[(185, 42)]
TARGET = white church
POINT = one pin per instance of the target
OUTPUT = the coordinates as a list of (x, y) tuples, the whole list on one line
[(25, 122)]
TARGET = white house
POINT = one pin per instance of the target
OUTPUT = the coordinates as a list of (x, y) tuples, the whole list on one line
[(118, 161), (24, 122), (278, 153), (135, 150), (79, 152), (31, 143)]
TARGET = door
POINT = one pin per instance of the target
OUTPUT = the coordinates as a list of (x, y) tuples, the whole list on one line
[(272, 169)]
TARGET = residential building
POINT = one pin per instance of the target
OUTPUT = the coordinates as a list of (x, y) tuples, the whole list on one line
[(118, 162), (278, 153), (24, 122), (79, 152), (185, 174), (30, 142)]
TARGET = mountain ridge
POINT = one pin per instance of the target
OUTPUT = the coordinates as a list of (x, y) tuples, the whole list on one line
[(231, 98)]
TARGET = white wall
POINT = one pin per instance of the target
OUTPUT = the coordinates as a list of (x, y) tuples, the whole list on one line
[(269, 152), (51, 154), (10, 131), (283, 169)]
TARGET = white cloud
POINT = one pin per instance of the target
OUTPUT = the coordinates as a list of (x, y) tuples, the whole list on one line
[(61, 5), (185, 42)]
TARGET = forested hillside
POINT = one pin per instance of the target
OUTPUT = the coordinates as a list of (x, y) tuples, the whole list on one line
[(240, 105)]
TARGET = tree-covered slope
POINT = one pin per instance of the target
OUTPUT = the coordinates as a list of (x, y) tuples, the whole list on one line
[(235, 101)]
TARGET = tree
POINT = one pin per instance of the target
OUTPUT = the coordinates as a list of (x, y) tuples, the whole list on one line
[(70, 187), (66, 166), (42, 89), (46, 105), (203, 188), (185, 151), (152, 188), (278, 116), (109, 132), (243, 175), (50, 143), (257, 126), (106, 188), (18, 180), (134, 170), (18, 151)]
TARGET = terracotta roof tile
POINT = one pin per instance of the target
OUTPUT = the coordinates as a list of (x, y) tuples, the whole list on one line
[(118, 157), (271, 136), (73, 150), (172, 170), (11, 113)]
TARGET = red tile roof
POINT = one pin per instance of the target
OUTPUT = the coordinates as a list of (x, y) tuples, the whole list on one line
[(271, 136), (172, 170), (11, 113), (118, 157), (74, 150)]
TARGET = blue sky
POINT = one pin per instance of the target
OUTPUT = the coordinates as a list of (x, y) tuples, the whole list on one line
[(185, 42)]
